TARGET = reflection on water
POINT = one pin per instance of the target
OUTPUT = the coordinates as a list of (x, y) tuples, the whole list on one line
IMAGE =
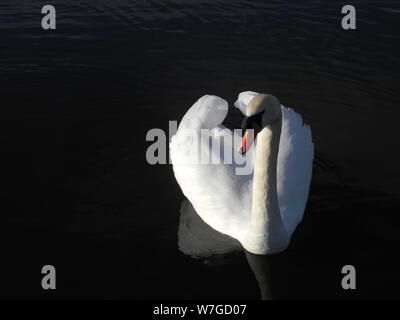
[(198, 240), (260, 265), (337, 229), (77, 104)]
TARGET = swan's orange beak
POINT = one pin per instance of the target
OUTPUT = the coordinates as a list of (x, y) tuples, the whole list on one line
[(242, 147), (245, 144)]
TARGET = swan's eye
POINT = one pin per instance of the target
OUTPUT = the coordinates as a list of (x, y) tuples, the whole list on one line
[(253, 122), (256, 120), (256, 126)]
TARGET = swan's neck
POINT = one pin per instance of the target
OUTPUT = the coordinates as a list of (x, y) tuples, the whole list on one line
[(267, 233)]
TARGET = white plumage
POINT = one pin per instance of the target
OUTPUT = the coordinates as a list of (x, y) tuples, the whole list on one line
[(222, 198)]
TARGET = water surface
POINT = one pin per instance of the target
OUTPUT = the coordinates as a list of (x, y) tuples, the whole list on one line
[(77, 103)]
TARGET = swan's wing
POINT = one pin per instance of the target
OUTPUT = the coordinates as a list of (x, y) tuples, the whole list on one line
[(219, 196), (295, 158)]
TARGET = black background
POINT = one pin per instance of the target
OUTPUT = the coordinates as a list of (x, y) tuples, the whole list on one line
[(77, 102)]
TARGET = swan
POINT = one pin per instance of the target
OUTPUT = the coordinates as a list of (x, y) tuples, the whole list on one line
[(263, 208)]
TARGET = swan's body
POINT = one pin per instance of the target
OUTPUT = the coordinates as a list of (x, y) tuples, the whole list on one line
[(261, 209)]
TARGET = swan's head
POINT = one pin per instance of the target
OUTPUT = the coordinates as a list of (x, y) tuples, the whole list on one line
[(263, 110)]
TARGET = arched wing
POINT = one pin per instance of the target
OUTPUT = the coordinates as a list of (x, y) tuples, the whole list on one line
[(295, 158), (216, 192)]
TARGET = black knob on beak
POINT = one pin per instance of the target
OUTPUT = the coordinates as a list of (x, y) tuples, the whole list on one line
[(245, 124)]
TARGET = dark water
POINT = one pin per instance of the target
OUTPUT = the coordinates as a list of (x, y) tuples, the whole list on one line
[(77, 102)]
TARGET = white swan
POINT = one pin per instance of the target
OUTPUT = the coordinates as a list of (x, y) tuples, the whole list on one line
[(262, 209)]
